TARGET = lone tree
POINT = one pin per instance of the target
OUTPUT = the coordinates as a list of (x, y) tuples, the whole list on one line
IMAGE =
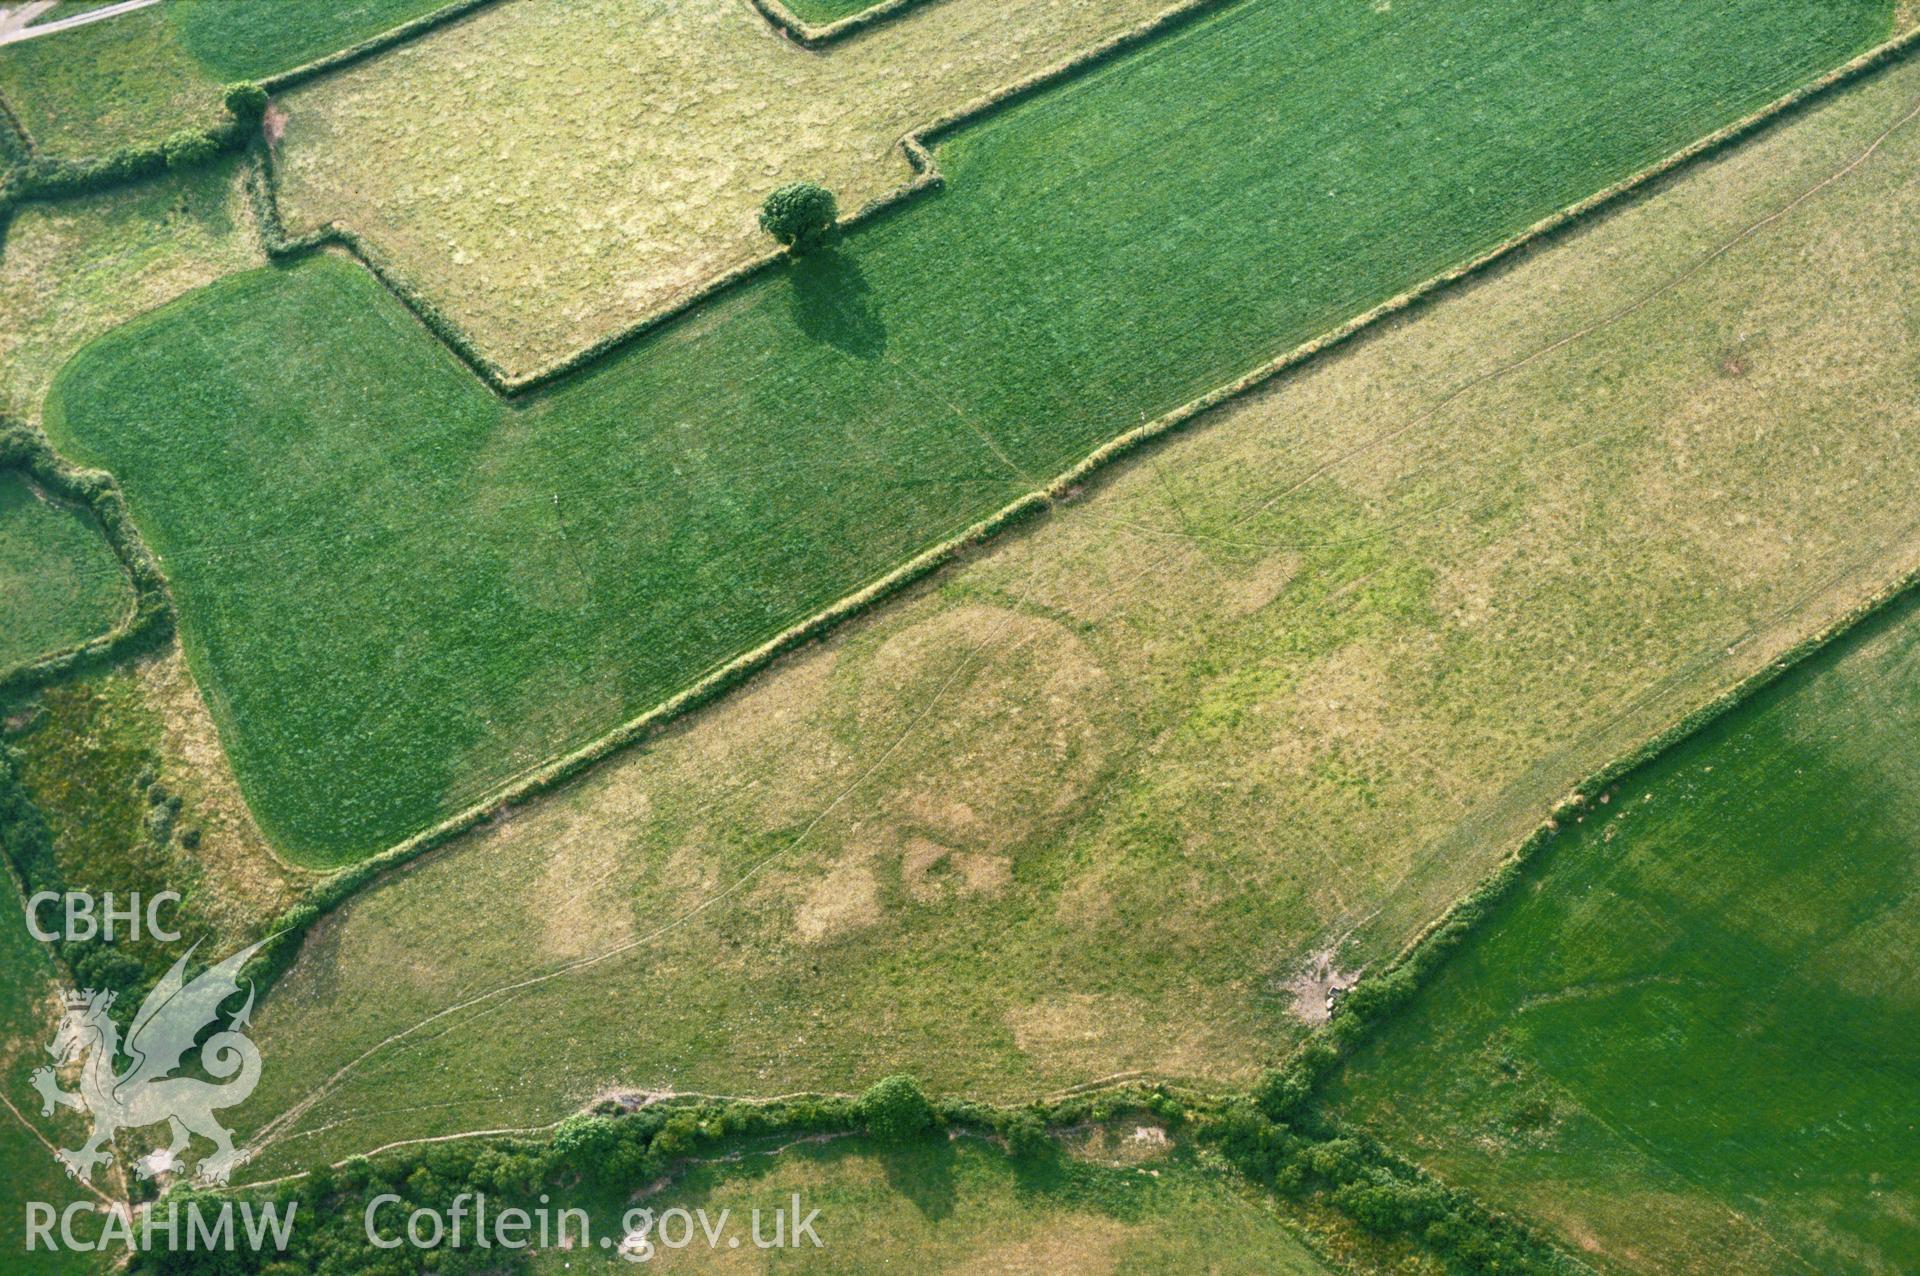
[(799, 215), (246, 101), (895, 1109)]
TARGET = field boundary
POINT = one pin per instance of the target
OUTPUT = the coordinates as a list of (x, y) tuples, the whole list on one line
[(1377, 997), (150, 619), (809, 36), (916, 147), (1350, 1174), (11, 121), (364, 49), (1065, 486)]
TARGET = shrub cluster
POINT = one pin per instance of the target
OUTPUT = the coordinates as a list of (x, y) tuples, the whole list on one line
[(607, 1154), (28, 840), (1384, 1196), (896, 1110)]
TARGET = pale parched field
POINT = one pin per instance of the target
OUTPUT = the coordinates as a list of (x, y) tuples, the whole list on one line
[(552, 171), (1089, 803)]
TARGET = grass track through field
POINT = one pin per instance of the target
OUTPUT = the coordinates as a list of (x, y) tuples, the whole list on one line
[(401, 591)]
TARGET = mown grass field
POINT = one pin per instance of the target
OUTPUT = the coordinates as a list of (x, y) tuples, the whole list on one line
[(1692, 1040), (1088, 803), (133, 79), (372, 552), (485, 163), (59, 581), (965, 1206)]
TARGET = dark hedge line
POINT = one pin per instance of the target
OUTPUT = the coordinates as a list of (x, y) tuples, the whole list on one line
[(151, 620), (365, 49), (609, 1153), (1385, 1196), (16, 144), (814, 37)]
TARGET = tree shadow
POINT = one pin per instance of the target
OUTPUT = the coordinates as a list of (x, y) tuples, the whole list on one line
[(833, 303), (923, 1174)]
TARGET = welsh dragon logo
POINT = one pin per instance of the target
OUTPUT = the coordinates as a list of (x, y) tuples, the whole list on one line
[(163, 1033)]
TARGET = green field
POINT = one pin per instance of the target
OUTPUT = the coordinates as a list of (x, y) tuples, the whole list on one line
[(123, 81), (60, 583), (1293, 682), (964, 1206), (253, 41), (132, 79), (371, 552), (821, 12), (1692, 1040)]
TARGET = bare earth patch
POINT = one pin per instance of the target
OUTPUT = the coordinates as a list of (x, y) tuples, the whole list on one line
[(1318, 986)]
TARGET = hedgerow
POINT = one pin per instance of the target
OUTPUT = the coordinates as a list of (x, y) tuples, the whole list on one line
[(607, 1152), (814, 37), (151, 620)]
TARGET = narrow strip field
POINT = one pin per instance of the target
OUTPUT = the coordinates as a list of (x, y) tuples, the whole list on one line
[(401, 591), (1692, 1040), (59, 581), (1094, 801), (966, 1206)]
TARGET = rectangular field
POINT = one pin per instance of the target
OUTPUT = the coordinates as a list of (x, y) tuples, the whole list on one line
[(1092, 802), (401, 592), (1692, 1039)]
